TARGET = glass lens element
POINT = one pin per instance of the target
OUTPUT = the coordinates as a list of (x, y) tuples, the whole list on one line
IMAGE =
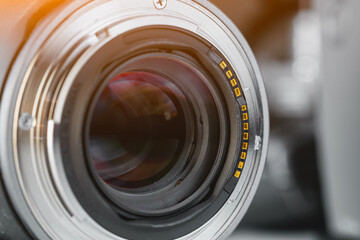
[(138, 130)]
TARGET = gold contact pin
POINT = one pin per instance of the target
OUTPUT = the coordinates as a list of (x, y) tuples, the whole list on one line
[(246, 136), (229, 74), (223, 65), (245, 116), (237, 92)]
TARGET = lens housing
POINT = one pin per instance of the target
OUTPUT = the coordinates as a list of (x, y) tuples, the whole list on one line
[(58, 78)]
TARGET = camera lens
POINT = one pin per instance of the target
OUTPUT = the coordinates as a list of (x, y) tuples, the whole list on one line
[(138, 130), (132, 121)]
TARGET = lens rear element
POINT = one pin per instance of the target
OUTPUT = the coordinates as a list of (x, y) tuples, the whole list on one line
[(138, 130)]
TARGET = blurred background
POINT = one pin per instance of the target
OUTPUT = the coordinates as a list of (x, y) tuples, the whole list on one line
[(309, 55)]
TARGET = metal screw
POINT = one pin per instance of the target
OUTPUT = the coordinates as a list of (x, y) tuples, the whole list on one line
[(160, 4), (26, 121), (178, 182)]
